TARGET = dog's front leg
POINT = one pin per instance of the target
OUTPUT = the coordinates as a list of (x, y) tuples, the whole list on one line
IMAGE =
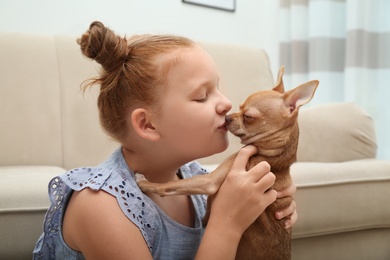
[(199, 184)]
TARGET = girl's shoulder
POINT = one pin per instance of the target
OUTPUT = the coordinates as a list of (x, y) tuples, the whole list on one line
[(116, 179), (119, 183), (193, 168)]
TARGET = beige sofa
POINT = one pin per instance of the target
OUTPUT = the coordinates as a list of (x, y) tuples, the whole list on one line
[(49, 126)]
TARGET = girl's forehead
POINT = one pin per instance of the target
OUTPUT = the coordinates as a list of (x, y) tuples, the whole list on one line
[(194, 58), (185, 54), (167, 61), (193, 70)]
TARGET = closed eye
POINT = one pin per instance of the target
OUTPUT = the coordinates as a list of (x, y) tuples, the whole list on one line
[(201, 100), (248, 119)]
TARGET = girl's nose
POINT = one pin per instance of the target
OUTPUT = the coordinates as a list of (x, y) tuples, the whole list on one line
[(224, 105)]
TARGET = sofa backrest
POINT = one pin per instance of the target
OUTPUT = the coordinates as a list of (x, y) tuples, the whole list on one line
[(30, 131), (243, 71), (336, 132), (47, 120)]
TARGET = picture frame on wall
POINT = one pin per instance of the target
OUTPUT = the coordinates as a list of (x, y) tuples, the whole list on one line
[(226, 5)]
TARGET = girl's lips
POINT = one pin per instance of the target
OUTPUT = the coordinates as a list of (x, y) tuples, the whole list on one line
[(223, 127)]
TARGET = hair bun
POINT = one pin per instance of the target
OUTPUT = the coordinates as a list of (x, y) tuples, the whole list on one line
[(104, 46)]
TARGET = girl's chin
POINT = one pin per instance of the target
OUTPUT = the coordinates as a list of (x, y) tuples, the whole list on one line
[(214, 148), (225, 146), (220, 148)]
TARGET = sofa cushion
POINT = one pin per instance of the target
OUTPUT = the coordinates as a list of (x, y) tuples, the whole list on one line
[(336, 132), (30, 132), (23, 203), (79, 111)]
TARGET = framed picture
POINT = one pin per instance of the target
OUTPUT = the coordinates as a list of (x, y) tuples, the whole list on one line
[(226, 5)]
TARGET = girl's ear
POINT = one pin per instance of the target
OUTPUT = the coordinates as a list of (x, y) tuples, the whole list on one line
[(142, 122)]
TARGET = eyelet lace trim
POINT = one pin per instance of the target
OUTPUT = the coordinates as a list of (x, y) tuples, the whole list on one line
[(121, 186), (118, 183)]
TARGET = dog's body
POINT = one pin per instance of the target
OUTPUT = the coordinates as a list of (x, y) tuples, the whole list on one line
[(267, 120)]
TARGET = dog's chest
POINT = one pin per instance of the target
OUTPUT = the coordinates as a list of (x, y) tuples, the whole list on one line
[(266, 238)]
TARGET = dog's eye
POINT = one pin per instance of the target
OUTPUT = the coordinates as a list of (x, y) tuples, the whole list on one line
[(247, 117)]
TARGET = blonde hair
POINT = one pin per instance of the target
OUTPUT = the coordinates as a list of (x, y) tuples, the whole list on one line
[(133, 71)]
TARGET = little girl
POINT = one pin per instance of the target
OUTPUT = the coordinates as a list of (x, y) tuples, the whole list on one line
[(159, 99)]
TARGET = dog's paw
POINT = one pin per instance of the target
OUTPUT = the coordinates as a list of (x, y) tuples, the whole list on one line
[(139, 177)]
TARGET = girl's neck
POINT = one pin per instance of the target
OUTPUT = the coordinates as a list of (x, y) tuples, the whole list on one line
[(154, 168)]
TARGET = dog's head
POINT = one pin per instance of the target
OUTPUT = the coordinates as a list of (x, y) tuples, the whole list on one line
[(267, 112)]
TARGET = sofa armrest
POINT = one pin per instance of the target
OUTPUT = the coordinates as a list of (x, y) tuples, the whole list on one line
[(341, 197)]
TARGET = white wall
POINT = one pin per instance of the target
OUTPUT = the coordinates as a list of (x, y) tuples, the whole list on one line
[(254, 23)]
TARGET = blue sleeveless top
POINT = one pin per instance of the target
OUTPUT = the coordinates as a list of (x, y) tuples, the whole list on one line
[(165, 238)]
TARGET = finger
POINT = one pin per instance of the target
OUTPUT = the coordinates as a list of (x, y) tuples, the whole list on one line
[(260, 170), (288, 192), (265, 182), (286, 211), (269, 198), (290, 221), (243, 156)]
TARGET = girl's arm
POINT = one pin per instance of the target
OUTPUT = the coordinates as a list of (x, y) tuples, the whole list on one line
[(243, 196), (95, 225)]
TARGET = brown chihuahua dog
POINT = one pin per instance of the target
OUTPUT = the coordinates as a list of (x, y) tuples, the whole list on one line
[(268, 120)]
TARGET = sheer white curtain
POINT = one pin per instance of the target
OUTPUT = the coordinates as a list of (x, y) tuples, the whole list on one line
[(346, 45)]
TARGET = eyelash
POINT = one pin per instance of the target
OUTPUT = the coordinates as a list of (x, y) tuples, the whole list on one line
[(248, 118), (201, 100)]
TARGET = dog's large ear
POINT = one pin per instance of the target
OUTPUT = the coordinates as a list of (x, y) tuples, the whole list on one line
[(300, 96), (279, 85)]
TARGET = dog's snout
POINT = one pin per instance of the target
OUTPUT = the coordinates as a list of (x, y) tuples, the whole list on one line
[(228, 119)]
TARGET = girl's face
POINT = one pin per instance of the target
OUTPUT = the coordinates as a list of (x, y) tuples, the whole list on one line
[(192, 114)]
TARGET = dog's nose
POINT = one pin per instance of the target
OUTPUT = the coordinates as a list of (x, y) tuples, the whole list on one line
[(228, 119)]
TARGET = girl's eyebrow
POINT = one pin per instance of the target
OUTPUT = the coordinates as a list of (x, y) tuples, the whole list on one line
[(197, 89), (204, 85)]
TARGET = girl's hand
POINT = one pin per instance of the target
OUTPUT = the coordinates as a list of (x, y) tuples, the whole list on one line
[(244, 195), (290, 213)]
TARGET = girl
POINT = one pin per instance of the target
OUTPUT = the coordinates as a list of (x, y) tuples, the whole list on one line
[(159, 99)]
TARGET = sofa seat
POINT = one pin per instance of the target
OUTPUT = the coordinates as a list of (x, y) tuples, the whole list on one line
[(22, 205)]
